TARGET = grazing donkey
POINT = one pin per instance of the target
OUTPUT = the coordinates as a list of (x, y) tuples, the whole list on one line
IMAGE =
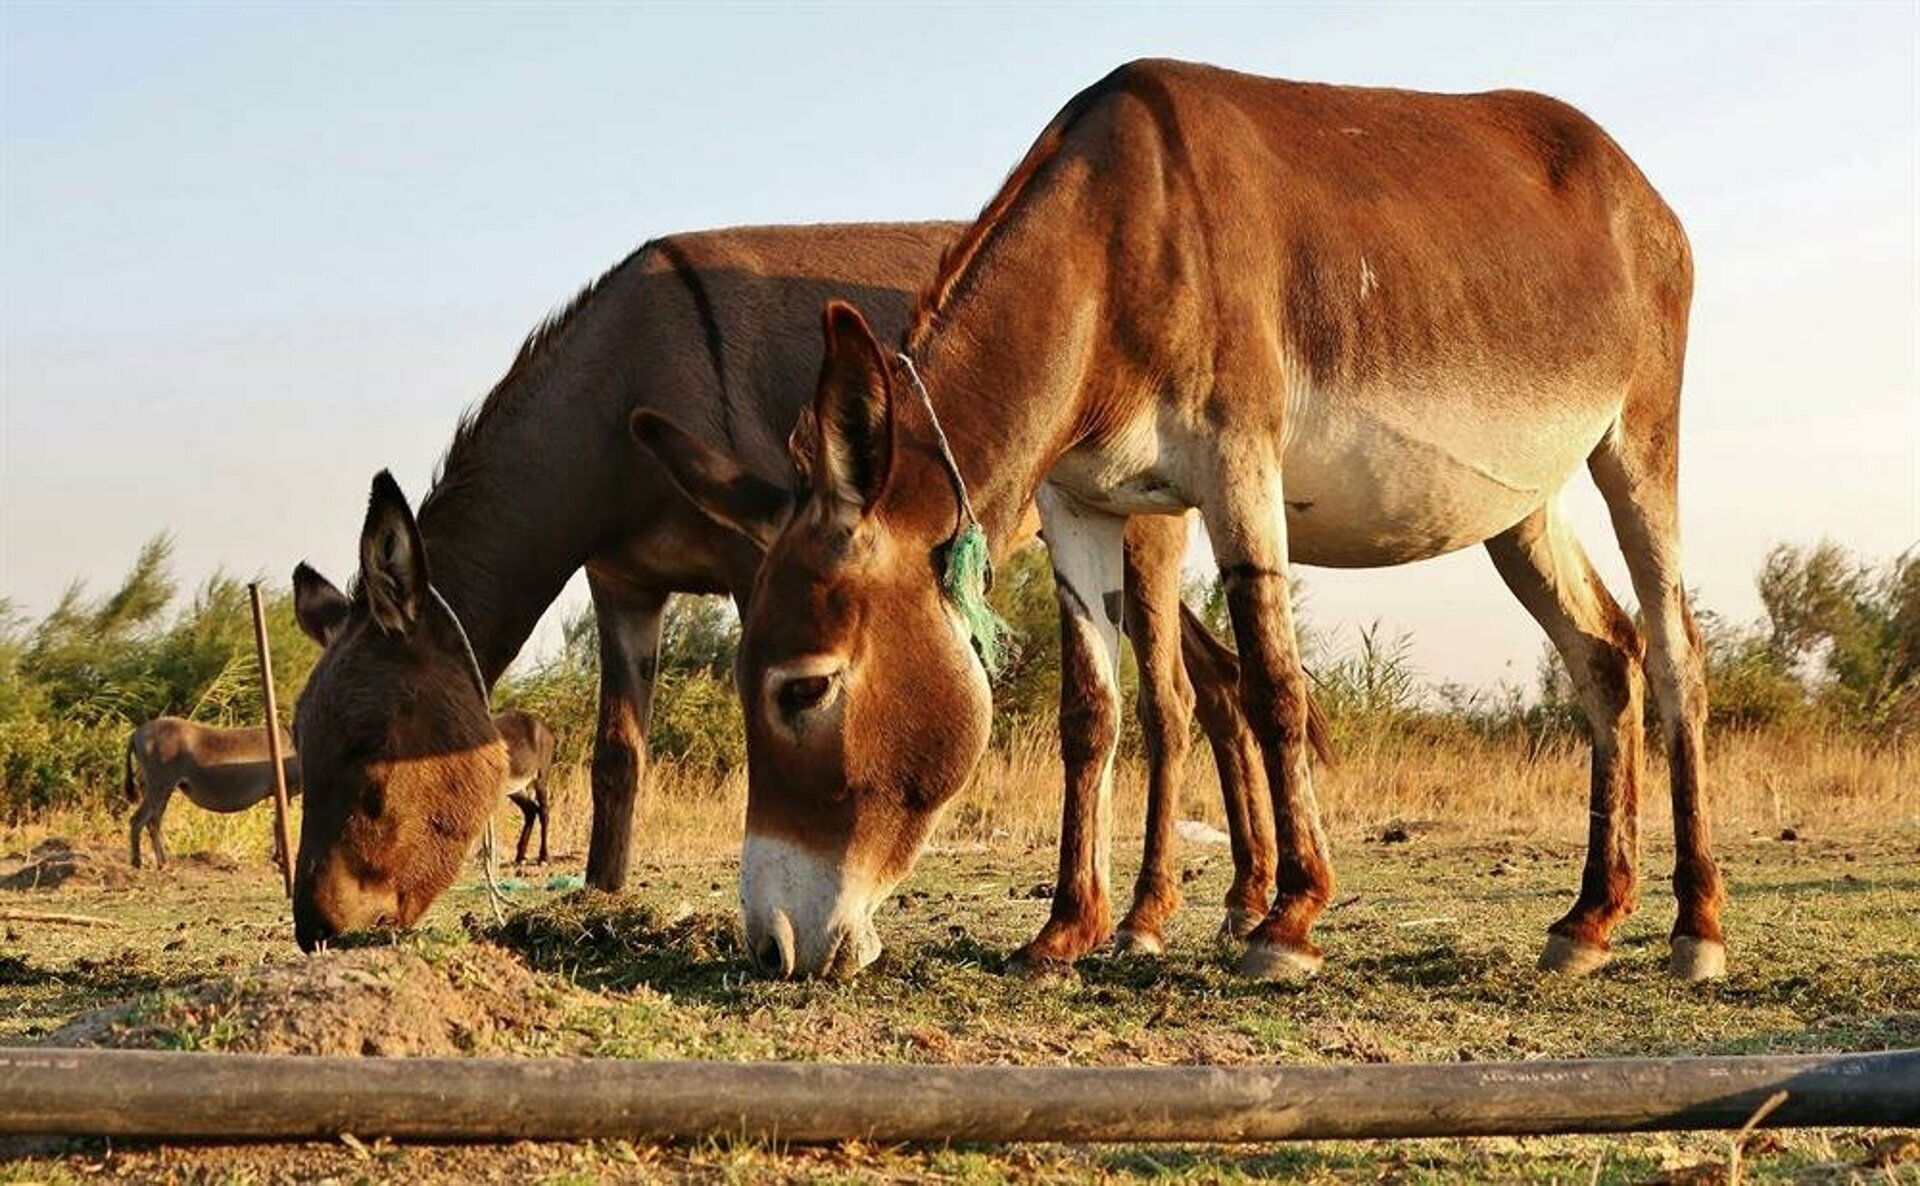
[(529, 761), (1351, 327), (223, 770), (228, 770), (714, 329)]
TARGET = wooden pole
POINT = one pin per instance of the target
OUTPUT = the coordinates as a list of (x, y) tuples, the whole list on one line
[(273, 736), (234, 1097)]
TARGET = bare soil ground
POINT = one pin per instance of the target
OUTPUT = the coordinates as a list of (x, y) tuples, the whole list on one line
[(1430, 952)]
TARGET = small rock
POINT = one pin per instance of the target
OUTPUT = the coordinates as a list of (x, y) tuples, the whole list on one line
[(1195, 831), (1789, 834)]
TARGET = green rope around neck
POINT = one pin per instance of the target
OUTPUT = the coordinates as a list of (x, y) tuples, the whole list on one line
[(969, 566), (965, 584)]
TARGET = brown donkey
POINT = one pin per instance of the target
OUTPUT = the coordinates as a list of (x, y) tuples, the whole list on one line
[(529, 762), (223, 770), (714, 329), (1352, 327)]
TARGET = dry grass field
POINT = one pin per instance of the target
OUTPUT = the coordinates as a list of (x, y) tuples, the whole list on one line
[(1451, 862)]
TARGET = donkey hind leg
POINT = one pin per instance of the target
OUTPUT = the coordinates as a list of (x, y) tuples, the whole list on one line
[(540, 799), (134, 823), (629, 620), (1635, 471), (155, 815), (1544, 566), (1215, 674), (529, 810), (1087, 565), (1152, 613), (1246, 520)]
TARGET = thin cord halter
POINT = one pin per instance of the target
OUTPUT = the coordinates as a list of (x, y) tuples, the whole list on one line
[(966, 560), (466, 646), (964, 517), (494, 897)]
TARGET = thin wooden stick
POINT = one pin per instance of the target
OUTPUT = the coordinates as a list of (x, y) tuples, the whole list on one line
[(58, 920), (238, 1097), (273, 736)]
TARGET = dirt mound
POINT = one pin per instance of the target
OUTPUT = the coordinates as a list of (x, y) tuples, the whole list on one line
[(55, 862), (606, 941), (374, 1001)]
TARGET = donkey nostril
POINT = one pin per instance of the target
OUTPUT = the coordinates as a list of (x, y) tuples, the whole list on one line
[(767, 955), (773, 954)]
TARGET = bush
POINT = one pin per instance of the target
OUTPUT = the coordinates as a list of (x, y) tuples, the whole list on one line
[(696, 717), (1839, 648)]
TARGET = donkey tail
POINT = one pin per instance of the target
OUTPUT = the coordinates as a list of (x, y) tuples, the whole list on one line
[(132, 792), (1319, 733), (1223, 664)]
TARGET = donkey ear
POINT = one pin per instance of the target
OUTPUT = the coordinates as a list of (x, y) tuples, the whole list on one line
[(393, 558), (721, 487), (852, 413), (320, 608)]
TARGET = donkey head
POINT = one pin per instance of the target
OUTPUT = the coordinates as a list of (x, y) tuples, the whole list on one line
[(398, 755), (866, 707)]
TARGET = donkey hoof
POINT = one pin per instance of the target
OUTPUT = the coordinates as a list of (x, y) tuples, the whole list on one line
[(1693, 960), (1274, 962), (1041, 968), (1570, 957), (1131, 942), (1239, 923)]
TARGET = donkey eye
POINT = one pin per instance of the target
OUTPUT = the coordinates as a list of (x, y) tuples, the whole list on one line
[(798, 695)]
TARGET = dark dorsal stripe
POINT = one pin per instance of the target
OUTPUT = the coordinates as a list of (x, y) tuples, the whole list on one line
[(709, 325)]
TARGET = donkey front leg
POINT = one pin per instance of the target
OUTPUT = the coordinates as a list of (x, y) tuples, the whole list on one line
[(1086, 549), (629, 618), (1245, 517), (1153, 549)]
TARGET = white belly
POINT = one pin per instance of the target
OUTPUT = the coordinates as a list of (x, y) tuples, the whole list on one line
[(1371, 480), (1392, 480)]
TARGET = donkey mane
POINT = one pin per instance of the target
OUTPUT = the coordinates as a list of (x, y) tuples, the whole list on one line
[(516, 389), (957, 263)]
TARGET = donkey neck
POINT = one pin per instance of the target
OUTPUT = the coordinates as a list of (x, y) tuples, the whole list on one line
[(1009, 365), (530, 485)]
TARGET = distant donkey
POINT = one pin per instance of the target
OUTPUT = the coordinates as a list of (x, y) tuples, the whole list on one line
[(228, 770), (223, 770), (529, 761)]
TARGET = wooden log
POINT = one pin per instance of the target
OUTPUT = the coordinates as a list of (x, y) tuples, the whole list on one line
[(54, 919), (230, 1097), (273, 735)]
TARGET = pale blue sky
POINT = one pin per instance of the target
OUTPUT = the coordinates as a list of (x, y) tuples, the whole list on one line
[(252, 254)]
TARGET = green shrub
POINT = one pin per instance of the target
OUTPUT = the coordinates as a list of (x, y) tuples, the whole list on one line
[(75, 683)]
